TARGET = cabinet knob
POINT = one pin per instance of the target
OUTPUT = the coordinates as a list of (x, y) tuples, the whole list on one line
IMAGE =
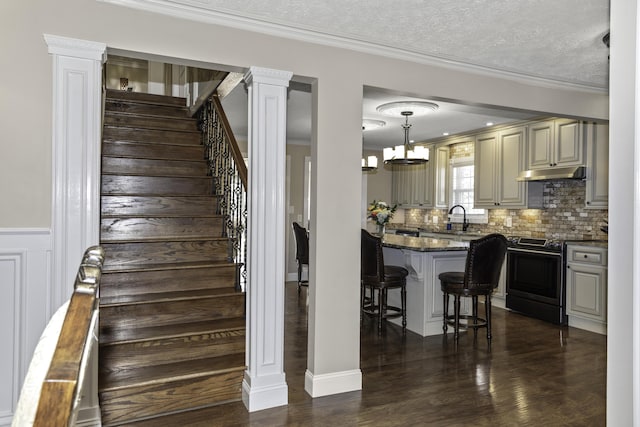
[(588, 202), (568, 267), (586, 256)]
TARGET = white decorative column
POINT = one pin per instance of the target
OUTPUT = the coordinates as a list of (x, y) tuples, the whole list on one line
[(77, 109), (264, 384), (76, 131)]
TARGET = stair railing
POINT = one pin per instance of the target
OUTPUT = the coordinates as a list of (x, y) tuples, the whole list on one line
[(53, 397), (229, 172)]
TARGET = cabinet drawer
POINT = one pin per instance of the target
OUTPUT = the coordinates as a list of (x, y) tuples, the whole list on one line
[(587, 255)]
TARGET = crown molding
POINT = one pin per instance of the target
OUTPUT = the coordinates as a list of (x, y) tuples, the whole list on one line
[(204, 12)]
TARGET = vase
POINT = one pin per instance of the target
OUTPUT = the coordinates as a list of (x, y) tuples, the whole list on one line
[(380, 229)]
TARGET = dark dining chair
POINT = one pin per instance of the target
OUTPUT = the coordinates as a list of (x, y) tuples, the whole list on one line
[(480, 277), (378, 278), (302, 251)]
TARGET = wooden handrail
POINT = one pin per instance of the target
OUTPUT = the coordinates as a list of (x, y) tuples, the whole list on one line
[(235, 148), (60, 393)]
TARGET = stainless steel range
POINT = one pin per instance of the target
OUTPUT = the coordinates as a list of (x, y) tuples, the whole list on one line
[(535, 278)]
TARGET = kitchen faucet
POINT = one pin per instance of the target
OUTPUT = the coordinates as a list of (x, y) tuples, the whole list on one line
[(465, 223)]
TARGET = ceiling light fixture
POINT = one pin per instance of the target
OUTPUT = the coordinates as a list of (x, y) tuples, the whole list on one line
[(371, 162), (370, 124), (406, 154)]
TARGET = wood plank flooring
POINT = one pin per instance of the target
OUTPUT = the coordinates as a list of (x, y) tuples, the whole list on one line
[(534, 374)]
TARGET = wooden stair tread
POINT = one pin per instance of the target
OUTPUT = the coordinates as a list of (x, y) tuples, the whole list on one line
[(135, 142), (145, 158), (158, 374), (150, 115), (117, 95), (155, 215), (162, 267), (153, 298), (201, 177), (113, 337), (141, 129), (167, 238)]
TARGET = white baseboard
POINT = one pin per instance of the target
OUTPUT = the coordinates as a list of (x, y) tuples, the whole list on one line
[(89, 417), (333, 383), (588, 325)]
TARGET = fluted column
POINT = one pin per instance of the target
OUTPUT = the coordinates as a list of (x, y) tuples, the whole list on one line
[(264, 384)]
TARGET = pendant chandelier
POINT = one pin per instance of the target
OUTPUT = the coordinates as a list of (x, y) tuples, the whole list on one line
[(406, 154)]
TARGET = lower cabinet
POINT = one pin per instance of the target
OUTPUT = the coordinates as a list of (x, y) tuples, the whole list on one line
[(586, 280), (500, 293)]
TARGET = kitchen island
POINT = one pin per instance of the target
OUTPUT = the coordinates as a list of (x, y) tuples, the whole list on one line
[(425, 258)]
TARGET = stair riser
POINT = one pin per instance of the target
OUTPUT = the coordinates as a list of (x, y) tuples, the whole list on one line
[(142, 205), (157, 352), (153, 151), (137, 254), (115, 165), (115, 133), (144, 282), (150, 122), (133, 107), (145, 401), (127, 229), (156, 185), (169, 312), (145, 97)]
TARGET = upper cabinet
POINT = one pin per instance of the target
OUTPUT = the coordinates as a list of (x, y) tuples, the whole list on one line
[(555, 143), (441, 179), (597, 182), (499, 159), (412, 185)]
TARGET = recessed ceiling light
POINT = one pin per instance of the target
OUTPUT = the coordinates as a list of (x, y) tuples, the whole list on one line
[(418, 108), (489, 123), (368, 124), (445, 133)]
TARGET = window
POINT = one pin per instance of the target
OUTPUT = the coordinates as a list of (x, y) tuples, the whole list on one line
[(461, 178)]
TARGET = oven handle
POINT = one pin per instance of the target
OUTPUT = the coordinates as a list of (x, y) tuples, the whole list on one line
[(533, 251)]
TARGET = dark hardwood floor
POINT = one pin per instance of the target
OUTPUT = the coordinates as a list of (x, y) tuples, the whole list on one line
[(534, 374)]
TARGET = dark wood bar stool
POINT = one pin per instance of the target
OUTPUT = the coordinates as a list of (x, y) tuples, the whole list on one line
[(378, 278), (481, 275), (302, 251)]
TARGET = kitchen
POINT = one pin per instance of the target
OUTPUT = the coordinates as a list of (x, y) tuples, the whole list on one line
[(554, 213)]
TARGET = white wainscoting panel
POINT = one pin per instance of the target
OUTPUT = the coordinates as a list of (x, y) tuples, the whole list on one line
[(25, 276)]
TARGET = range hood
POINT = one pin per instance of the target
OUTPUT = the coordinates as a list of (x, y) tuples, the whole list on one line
[(572, 172)]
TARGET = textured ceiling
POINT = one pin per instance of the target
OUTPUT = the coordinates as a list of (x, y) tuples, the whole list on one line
[(555, 40), (559, 40)]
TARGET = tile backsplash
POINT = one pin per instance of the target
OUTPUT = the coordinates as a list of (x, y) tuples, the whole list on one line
[(563, 216)]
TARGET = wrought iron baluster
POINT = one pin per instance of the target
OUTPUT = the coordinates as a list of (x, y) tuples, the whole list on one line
[(227, 184)]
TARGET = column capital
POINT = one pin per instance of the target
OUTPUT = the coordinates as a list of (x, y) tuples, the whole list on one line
[(268, 76), (76, 48)]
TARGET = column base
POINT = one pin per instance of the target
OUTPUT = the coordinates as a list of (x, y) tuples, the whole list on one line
[(265, 397), (333, 383)]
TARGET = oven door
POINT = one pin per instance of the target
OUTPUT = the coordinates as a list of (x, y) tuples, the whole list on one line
[(535, 275)]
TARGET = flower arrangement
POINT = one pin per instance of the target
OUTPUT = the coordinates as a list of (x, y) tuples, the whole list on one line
[(380, 212)]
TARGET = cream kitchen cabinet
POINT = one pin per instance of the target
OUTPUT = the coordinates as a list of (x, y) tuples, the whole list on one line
[(597, 179), (586, 286), (441, 177), (412, 185), (555, 143), (499, 159)]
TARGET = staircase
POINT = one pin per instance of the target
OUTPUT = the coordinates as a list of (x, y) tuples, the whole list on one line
[(172, 327)]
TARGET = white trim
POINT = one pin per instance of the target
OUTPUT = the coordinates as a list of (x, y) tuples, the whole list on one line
[(264, 384), (228, 18), (588, 325), (25, 267), (76, 132), (333, 383)]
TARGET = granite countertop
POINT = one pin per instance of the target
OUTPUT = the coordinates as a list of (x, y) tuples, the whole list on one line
[(423, 244)]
